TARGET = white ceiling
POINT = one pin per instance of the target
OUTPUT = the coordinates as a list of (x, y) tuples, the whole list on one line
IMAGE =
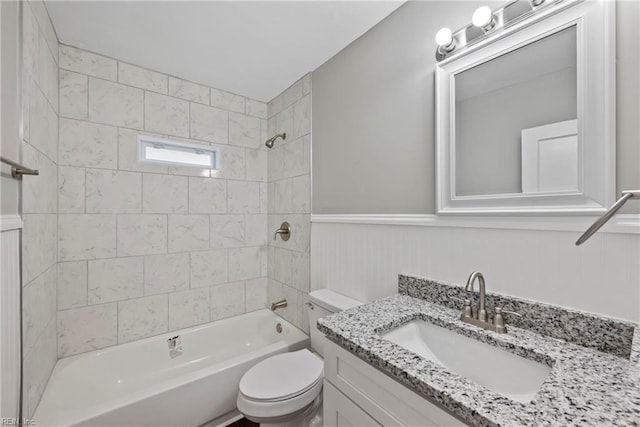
[(252, 48)]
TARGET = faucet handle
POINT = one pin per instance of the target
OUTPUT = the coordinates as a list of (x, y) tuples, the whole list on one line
[(467, 311), (499, 310), (498, 319)]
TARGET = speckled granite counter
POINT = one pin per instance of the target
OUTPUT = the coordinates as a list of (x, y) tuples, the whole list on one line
[(586, 387)]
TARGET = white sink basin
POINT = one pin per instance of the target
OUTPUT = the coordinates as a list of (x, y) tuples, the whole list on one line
[(505, 373)]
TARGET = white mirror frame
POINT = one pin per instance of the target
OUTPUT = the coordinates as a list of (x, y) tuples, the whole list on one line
[(595, 21)]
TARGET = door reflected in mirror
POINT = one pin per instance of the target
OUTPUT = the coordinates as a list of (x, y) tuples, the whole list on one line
[(516, 127)]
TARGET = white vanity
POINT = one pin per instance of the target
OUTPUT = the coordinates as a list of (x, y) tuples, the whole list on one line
[(357, 394)]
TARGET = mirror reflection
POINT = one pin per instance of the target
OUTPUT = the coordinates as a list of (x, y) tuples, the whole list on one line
[(516, 127)]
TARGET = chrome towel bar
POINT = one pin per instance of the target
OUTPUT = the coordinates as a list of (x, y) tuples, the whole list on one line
[(17, 170), (626, 195)]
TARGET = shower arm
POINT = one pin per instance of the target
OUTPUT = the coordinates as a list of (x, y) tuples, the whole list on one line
[(626, 195)]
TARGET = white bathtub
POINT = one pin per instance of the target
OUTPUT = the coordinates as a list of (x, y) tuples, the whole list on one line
[(138, 384)]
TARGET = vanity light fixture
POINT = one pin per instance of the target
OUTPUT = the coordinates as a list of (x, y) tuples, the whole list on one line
[(445, 41), (489, 22), (483, 18)]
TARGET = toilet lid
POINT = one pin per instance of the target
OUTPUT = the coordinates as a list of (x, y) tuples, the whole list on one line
[(282, 376)]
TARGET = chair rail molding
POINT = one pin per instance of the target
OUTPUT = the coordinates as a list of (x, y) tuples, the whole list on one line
[(621, 223)]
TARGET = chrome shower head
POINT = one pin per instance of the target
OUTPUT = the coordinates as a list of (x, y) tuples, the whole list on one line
[(269, 142)]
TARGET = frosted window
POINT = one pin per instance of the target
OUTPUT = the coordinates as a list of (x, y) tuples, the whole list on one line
[(154, 150)]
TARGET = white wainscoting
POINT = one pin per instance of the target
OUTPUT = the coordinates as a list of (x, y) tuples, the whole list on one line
[(10, 320), (363, 260)]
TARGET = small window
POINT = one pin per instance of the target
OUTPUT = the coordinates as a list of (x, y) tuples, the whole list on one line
[(157, 150)]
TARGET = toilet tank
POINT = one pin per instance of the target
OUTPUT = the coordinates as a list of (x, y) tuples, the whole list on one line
[(323, 303)]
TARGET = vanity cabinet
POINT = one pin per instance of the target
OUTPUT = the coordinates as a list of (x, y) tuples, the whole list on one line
[(356, 393)]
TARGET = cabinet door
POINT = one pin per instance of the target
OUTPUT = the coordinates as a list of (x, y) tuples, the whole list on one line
[(339, 411)]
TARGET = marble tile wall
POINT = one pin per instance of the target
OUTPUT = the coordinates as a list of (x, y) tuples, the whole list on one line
[(145, 249), (39, 201), (289, 199)]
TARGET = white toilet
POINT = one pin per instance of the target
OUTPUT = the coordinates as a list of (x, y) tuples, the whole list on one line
[(286, 390)]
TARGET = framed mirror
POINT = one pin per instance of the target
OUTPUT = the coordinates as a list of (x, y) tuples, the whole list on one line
[(526, 118)]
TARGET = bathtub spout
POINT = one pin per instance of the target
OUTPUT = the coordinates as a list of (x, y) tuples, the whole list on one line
[(278, 304)]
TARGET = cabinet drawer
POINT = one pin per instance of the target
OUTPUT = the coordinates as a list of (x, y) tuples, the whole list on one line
[(385, 399), (340, 411)]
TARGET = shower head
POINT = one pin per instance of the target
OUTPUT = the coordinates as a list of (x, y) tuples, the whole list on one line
[(269, 142)]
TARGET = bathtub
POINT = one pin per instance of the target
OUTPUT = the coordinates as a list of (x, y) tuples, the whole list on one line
[(139, 384)]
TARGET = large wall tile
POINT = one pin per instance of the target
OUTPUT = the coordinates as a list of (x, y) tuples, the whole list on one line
[(39, 306), (167, 115), (39, 236), (207, 195), (142, 317), (300, 195), (86, 329), (113, 191), (39, 193), (256, 108), (293, 158), (86, 237), (227, 231), (47, 73), (142, 235), (292, 93), (166, 273), (232, 164), (284, 121), (188, 308), (89, 63), (300, 271), (244, 263), (188, 90), (209, 268), (115, 279), (72, 284), (43, 125), (71, 189), (37, 367), (115, 104), (142, 78), (86, 144), (244, 130), (256, 165), (301, 117), (164, 194), (188, 233), (227, 100), (243, 197), (74, 95), (256, 233), (209, 123), (255, 294), (227, 300)]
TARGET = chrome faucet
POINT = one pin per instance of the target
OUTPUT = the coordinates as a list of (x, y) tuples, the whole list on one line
[(480, 319), (278, 304)]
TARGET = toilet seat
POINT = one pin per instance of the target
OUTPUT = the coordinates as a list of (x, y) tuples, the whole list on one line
[(281, 385)]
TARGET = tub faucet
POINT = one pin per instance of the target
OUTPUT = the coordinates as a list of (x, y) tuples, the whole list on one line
[(278, 304)]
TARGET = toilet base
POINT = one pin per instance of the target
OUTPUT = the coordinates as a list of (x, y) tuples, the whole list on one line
[(311, 416)]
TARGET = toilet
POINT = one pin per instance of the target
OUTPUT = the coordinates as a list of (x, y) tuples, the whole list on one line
[(285, 390)]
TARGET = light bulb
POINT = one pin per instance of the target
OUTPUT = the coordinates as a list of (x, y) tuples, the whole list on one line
[(482, 17), (444, 37)]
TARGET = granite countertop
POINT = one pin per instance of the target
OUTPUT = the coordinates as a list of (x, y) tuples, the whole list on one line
[(585, 386)]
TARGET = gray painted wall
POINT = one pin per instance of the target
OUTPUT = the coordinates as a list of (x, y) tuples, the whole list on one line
[(9, 187), (373, 112)]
